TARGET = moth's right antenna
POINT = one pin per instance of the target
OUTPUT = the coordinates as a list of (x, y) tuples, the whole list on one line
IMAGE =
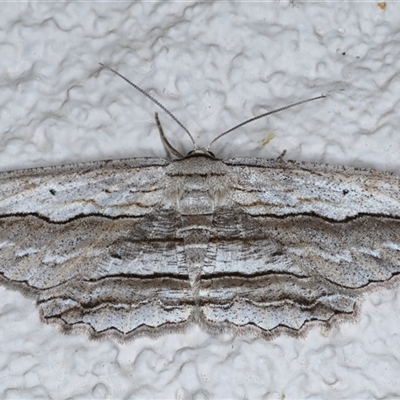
[(156, 102)]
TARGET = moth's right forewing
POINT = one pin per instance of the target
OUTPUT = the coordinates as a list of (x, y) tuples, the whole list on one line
[(110, 188)]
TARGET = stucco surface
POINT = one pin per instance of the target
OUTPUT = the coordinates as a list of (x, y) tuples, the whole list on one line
[(213, 65)]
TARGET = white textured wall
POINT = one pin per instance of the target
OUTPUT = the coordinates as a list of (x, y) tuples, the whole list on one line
[(213, 65)]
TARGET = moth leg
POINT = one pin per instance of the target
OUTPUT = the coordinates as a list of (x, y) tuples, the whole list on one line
[(283, 154), (164, 139)]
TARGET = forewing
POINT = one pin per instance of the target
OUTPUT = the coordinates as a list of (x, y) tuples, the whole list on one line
[(130, 187), (282, 255), (273, 187), (120, 272)]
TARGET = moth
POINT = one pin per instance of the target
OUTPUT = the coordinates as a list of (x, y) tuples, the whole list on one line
[(147, 245)]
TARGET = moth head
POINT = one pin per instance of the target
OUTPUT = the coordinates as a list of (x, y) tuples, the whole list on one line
[(201, 153)]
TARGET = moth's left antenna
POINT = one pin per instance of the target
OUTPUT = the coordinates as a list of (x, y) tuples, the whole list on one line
[(262, 116), (159, 105)]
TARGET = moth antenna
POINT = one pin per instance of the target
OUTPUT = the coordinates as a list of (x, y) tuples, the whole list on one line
[(164, 139), (262, 116), (154, 101)]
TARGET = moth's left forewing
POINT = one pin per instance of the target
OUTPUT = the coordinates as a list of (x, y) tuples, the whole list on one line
[(297, 243), (336, 192)]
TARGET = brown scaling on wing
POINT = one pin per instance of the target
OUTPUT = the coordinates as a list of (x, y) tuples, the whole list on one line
[(145, 246)]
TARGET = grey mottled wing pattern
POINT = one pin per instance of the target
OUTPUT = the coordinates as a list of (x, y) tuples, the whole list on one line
[(130, 187), (144, 246), (85, 241), (298, 242), (337, 192), (282, 273)]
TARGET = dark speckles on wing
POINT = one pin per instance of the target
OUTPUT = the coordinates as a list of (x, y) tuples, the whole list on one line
[(145, 246)]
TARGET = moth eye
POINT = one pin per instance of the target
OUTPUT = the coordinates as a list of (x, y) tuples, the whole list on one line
[(201, 153)]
